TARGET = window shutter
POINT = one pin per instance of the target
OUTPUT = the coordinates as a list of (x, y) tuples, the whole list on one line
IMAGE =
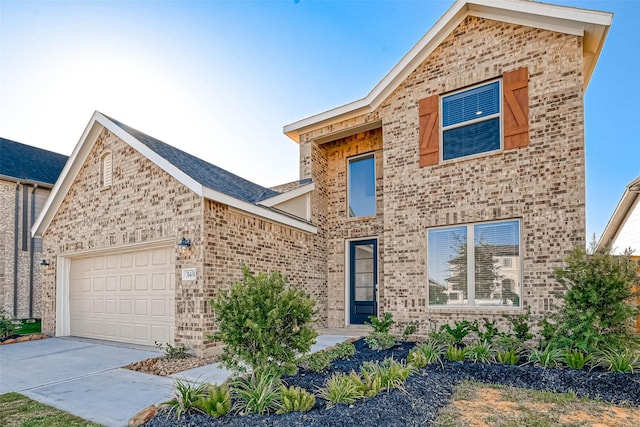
[(516, 108), (429, 131)]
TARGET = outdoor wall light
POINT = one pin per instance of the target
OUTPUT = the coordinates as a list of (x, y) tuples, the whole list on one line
[(44, 263), (184, 244)]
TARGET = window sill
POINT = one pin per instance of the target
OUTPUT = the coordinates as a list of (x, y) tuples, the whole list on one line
[(362, 218), (477, 308), (105, 188)]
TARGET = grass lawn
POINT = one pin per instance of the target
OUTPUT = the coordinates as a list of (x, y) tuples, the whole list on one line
[(27, 328), (17, 410), (477, 404)]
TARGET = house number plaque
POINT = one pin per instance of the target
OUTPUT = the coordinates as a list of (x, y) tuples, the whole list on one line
[(189, 274)]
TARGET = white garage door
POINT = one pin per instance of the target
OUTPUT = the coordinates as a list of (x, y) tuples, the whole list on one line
[(126, 296)]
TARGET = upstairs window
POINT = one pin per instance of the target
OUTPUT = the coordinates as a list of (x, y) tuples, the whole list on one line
[(471, 121), (106, 176), (361, 191)]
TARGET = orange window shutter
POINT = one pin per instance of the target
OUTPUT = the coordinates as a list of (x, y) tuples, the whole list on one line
[(429, 131), (516, 108)]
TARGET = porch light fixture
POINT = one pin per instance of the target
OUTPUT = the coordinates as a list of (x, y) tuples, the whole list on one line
[(184, 244), (44, 263)]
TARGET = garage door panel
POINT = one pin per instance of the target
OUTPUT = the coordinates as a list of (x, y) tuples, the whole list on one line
[(132, 302)]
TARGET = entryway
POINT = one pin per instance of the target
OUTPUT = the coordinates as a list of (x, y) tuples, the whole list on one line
[(363, 280)]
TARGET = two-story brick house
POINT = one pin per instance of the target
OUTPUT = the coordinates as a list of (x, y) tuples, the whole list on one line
[(450, 192), (453, 189)]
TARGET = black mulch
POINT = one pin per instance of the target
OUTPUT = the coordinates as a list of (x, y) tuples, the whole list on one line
[(426, 392)]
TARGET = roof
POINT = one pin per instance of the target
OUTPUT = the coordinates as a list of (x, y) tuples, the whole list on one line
[(26, 163), (630, 199), (205, 173), (203, 178), (593, 26)]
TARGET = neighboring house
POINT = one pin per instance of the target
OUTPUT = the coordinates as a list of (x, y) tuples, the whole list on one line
[(456, 186), (474, 140), (26, 176), (622, 233), (140, 236)]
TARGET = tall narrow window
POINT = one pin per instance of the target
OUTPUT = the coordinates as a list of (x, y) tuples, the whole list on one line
[(471, 121), (105, 173), (362, 186)]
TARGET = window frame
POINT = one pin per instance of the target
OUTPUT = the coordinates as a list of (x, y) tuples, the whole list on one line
[(499, 116), (471, 288), (359, 157)]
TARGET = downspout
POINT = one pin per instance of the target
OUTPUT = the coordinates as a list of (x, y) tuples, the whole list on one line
[(15, 251), (31, 250)]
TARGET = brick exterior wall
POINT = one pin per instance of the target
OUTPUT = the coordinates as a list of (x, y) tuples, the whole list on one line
[(543, 184), (29, 275)]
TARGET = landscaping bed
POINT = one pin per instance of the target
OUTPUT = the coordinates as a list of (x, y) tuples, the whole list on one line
[(425, 392)]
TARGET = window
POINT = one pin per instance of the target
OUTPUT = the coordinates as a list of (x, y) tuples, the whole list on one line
[(361, 190), (475, 278), (506, 262), (105, 170), (471, 121)]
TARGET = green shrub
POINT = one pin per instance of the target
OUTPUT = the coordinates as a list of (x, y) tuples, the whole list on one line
[(316, 362), (455, 353), (341, 388), (216, 402), (410, 329), (173, 352), (548, 357), (417, 358), (508, 357), (294, 399), (597, 308), (186, 396), (624, 361), (380, 338), (343, 351), (459, 331), (521, 325), (264, 323), (258, 394), (7, 327), (489, 332), (576, 359), (431, 350), (480, 352), (369, 383)]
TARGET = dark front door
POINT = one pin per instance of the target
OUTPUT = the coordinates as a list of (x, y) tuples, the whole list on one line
[(363, 280)]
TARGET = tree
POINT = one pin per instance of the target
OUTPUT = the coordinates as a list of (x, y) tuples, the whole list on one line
[(486, 269)]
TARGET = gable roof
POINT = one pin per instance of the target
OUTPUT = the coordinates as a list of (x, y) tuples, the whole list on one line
[(206, 174), (21, 162), (199, 176), (593, 26), (629, 202)]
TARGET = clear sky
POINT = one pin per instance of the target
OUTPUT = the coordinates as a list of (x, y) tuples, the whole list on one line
[(219, 79)]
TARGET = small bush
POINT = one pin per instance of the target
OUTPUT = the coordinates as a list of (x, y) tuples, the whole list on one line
[(264, 322), (380, 341), (431, 350), (343, 351), (295, 399), (548, 357), (392, 374), (7, 327), (216, 402), (508, 357), (173, 352), (624, 361), (455, 354), (417, 358), (521, 325), (480, 352), (316, 362), (576, 359), (383, 324), (409, 330), (459, 331), (489, 332), (369, 383), (186, 396), (340, 388), (258, 394)]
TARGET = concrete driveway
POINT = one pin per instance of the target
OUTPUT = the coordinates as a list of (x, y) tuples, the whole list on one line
[(83, 378)]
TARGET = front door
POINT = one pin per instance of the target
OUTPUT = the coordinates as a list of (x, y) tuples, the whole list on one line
[(363, 280)]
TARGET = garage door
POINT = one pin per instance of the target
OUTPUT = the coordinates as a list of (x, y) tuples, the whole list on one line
[(126, 296)]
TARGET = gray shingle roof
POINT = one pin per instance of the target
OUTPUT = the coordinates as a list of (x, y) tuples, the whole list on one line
[(205, 173), (24, 162)]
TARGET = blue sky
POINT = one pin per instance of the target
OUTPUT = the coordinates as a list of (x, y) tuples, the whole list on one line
[(219, 79)]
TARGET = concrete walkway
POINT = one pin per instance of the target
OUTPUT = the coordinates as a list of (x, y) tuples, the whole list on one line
[(85, 378)]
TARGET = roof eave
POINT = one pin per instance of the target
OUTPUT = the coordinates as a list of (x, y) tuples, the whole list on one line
[(626, 203)]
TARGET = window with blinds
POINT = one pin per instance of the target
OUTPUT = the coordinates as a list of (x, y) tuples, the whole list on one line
[(475, 265), (361, 186), (471, 121)]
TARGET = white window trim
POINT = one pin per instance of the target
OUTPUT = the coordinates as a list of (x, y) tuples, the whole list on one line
[(471, 289), (371, 154), (499, 115)]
